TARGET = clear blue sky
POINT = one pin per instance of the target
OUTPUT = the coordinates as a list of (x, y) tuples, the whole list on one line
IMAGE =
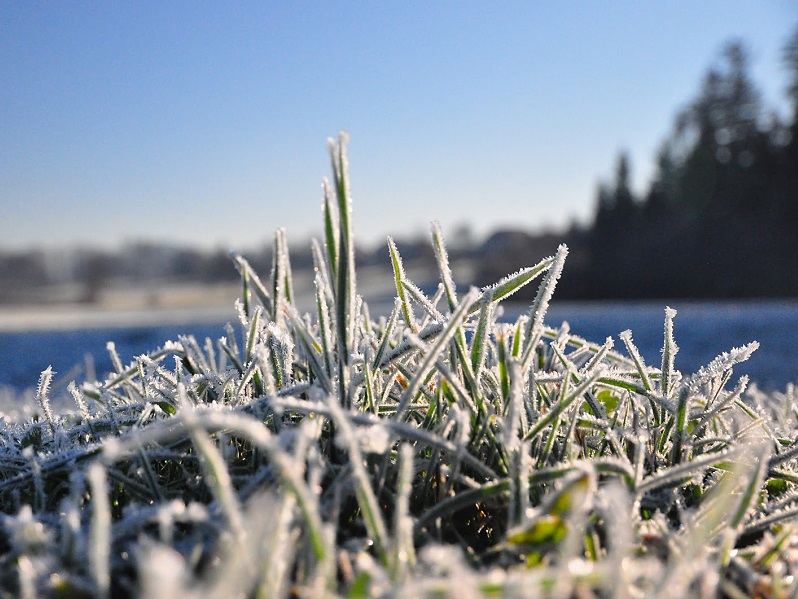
[(205, 122)]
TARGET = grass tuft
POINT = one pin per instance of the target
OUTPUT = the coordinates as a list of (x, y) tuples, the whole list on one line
[(433, 452)]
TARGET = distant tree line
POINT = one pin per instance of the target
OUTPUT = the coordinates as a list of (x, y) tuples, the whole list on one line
[(719, 218), (27, 276)]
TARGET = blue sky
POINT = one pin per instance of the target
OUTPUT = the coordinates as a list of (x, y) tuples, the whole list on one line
[(205, 122)]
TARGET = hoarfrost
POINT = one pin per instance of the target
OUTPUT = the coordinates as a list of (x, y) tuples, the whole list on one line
[(374, 439), (724, 362)]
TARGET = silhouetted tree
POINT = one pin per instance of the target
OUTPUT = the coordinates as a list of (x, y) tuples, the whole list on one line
[(658, 203), (605, 208), (623, 199), (721, 139), (616, 205)]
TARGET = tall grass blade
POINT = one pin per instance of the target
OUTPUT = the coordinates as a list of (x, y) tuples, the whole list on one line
[(669, 351), (282, 278), (387, 334), (42, 398), (479, 342), (442, 256), (332, 232), (325, 326), (345, 289), (248, 274), (540, 305), (401, 292)]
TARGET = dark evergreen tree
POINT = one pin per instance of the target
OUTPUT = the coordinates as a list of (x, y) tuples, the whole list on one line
[(721, 137), (605, 205), (659, 201), (624, 199)]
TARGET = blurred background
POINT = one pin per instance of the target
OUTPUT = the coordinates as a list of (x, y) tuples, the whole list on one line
[(141, 142)]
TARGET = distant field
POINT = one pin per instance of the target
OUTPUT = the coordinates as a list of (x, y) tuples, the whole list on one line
[(157, 304), (127, 306)]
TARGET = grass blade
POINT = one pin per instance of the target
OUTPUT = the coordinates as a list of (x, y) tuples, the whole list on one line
[(345, 289), (669, 351), (401, 292)]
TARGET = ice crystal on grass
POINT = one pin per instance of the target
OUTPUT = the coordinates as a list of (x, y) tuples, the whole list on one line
[(430, 452), (42, 395), (722, 365)]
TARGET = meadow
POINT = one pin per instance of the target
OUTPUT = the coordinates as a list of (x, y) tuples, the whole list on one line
[(432, 452)]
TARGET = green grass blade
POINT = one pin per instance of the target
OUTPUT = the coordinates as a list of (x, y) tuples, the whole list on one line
[(331, 229), (442, 256), (401, 292), (282, 278), (479, 342), (325, 327), (311, 350), (249, 274), (512, 283), (679, 430), (252, 335), (345, 290), (387, 333)]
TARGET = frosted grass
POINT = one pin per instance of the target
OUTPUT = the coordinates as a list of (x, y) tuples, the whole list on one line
[(432, 452)]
